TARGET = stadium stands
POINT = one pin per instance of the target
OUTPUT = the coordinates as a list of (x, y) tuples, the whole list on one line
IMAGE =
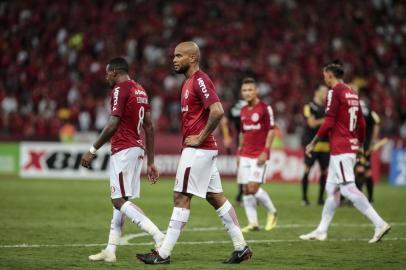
[(52, 56)]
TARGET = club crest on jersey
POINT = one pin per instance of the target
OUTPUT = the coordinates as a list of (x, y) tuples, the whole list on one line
[(203, 87), (255, 117), (186, 93)]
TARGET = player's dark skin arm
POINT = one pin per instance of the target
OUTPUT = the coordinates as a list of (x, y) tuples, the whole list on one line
[(215, 115), (104, 137), (152, 172)]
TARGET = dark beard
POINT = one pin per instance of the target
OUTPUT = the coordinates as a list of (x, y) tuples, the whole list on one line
[(182, 69)]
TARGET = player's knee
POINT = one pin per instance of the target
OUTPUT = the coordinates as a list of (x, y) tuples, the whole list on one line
[(245, 189), (118, 203), (350, 191), (252, 188), (181, 200), (215, 199)]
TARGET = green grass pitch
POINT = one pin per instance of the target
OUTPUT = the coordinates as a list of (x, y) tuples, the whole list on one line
[(48, 224)]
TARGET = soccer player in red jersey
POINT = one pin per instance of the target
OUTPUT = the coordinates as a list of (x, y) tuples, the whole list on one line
[(197, 172), (345, 126), (256, 136), (130, 112)]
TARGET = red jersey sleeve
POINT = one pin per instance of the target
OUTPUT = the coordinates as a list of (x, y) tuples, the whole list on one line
[(118, 101), (269, 118), (147, 105), (332, 105), (204, 88)]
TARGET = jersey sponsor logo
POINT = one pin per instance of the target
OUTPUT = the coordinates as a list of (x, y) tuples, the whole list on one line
[(354, 147), (352, 102), (185, 108), (142, 100), (186, 94), (113, 189), (350, 95), (255, 117), (139, 92), (329, 98), (353, 141), (252, 127), (115, 97), (203, 87)]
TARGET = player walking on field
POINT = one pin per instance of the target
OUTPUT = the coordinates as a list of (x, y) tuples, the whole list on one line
[(257, 124), (197, 172), (345, 126), (130, 112)]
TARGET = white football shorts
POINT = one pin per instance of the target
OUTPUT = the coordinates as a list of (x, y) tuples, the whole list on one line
[(125, 171), (341, 168), (250, 171), (197, 172)]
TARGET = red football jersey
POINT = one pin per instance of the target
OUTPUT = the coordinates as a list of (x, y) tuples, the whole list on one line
[(344, 122), (256, 121), (129, 101), (197, 95)]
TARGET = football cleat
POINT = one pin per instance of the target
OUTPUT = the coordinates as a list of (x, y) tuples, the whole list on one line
[(103, 256), (314, 235), (379, 233), (152, 258), (250, 228), (271, 221), (239, 256)]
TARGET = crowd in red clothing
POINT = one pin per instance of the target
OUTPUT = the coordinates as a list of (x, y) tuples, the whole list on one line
[(53, 56)]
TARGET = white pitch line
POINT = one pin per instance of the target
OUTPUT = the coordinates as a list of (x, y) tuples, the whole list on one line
[(125, 239), (205, 242)]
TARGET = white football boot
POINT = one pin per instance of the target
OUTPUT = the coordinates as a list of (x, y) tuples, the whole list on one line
[(379, 233), (314, 235), (103, 256)]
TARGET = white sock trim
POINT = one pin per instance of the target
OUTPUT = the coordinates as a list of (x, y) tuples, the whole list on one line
[(180, 214), (224, 209), (125, 206)]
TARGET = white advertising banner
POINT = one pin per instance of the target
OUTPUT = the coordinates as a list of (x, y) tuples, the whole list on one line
[(62, 161)]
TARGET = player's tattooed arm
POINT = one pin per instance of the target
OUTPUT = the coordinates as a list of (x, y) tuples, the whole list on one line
[(104, 137), (152, 171), (215, 115)]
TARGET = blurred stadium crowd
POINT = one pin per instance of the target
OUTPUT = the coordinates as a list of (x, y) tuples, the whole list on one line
[(53, 55)]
